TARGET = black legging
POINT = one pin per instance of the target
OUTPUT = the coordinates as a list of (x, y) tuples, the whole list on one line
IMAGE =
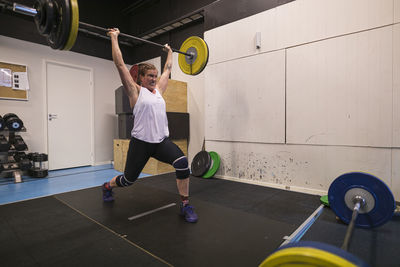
[(139, 153)]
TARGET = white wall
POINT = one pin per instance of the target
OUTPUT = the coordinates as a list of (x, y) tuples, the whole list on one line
[(34, 111), (341, 94)]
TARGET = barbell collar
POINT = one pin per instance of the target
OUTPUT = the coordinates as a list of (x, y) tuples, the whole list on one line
[(18, 8), (29, 11)]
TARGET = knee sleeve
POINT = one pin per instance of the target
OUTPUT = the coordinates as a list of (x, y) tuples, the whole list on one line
[(122, 181), (181, 166)]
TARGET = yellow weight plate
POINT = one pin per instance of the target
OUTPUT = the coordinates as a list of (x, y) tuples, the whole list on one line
[(74, 25), (199, 48), (305, 256)]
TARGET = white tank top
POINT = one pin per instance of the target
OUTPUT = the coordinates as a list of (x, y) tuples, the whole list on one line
[(150, 117)]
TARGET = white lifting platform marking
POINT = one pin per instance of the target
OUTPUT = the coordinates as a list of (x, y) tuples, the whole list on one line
[(151, 211)]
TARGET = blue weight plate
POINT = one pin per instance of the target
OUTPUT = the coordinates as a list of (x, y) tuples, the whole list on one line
[(383, 208)]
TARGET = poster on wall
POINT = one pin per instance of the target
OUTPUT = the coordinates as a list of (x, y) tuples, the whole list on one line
[(14, 82)]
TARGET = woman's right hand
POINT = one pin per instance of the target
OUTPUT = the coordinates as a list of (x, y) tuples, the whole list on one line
[(113, 32)]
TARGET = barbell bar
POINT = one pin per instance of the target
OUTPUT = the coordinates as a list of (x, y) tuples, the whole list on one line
[(58, 21), (358, 199), (87, 25)]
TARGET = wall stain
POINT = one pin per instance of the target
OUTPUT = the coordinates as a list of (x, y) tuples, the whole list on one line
[(279, 168)]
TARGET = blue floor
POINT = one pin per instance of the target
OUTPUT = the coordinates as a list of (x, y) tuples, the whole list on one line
[(59, 181)]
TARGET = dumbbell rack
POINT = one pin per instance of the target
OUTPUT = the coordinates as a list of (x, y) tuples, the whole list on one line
[(12, 170)]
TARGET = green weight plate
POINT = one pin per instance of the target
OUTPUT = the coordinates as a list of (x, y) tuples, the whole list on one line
[(324, 200), (215, 162), (198, 47)]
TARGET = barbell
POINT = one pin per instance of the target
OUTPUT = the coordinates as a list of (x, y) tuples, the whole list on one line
[(58, 21), (358, 199)]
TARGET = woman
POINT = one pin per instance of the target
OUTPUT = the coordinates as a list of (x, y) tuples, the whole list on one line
[(150, 131)]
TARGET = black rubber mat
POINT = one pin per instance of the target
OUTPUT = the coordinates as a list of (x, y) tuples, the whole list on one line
[(376, 246), (239, 225), (46, 232)]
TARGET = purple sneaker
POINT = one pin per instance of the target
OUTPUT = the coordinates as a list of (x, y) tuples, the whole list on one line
[(189, 214), (107, 194)]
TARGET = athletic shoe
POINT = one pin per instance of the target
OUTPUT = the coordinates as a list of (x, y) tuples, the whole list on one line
[(107, 194), (189, 214)]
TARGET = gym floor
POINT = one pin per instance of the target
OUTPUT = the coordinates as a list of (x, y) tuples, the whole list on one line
[(62, 221)]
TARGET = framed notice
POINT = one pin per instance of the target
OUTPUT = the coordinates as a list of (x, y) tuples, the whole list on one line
[(13, 81)]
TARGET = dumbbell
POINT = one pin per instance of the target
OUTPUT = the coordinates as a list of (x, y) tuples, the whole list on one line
[(358, 199), (18, 143), (18, 156), (4, 144), (12, 122), (38, 169), (2, 125), (23, 162)]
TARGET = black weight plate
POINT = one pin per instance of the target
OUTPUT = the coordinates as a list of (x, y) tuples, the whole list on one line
[(44, 18), (4, 144), (58, 36), (18, 156), (25, 164), (2, 124), (39, 157), (38, 173), (9, 115), (201, 163), (13, 122)]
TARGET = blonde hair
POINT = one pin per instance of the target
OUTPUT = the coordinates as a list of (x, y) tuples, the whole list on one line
[(143, 68)]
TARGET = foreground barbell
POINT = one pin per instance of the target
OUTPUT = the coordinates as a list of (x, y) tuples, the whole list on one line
[(58, 21), (358, 199)]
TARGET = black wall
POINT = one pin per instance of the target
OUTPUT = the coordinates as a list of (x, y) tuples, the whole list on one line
[(150, 15)]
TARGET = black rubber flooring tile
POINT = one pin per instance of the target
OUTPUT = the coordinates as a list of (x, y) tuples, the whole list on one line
[(376, 246), (281, 205), (46, 232), (223, 236)]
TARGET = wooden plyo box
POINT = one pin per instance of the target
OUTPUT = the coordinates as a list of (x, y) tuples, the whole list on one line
[(153, 166), (176, 96)]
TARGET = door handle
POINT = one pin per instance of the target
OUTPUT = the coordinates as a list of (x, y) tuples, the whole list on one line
[(52, 117)]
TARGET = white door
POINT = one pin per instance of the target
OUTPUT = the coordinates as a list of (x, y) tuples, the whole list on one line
[(69, 106)]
